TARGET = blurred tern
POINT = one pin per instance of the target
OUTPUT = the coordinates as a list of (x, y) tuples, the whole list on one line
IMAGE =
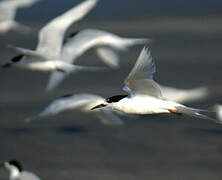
[(184, 95), (107, 46), (8, 10), (144, 94), (83, 103), (47, 56), (16, 171), (218, 109)]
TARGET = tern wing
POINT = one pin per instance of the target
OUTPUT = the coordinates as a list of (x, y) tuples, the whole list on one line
[(81, 42), (25, 175), (140, 79), (109, 55), (28, 52), (51, 36), (108, 117), (68, 102), (8, 7), (58, 76)]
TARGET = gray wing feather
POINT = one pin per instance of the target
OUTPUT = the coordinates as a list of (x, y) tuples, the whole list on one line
[(140, 79), (28, 52), (108, 117), (109, 56), (51, 36), (25, 175)]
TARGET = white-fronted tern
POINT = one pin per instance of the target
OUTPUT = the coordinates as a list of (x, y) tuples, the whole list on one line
[(16, 171), (47, 56), (83, 103), (8, 10), (107, 46), (144, 94)]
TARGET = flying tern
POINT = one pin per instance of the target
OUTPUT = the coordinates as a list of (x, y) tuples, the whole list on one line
[(81, 102), (8, 10), (144, 94), (106, 44), (47, 56), (16, 171)]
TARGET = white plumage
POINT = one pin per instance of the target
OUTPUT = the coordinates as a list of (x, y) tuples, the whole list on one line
[(107, 46), (83, 103), (145, 96), (8, 10)]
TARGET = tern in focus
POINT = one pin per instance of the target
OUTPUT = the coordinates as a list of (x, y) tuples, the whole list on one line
[(144, 94), (83, 103), (106, 44), (47, 56), (8, 10), (16, 171)]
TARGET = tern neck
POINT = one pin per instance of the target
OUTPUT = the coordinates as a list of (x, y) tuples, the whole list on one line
[(13, 172)]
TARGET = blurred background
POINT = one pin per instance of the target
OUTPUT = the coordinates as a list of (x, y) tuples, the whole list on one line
[(186, 45)]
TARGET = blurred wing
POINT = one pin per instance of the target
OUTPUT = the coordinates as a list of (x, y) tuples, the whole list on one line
[(54, 80), (140, 79), (81, 42), (8, 7), (28, 52), (25, 175), (66, 102), (109, 56), (108, 117), (51, 36)]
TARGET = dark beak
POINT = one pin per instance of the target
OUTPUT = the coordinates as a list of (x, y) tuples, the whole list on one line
[(98, 106)]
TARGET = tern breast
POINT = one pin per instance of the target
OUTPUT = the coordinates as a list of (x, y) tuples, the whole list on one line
[(143, 105)]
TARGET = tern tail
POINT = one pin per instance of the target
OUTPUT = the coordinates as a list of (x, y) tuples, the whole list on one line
[(192, 112)]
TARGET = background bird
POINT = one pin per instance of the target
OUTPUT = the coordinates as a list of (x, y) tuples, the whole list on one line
[(106, 44), (83, 103), (8, 10), (16, 171)]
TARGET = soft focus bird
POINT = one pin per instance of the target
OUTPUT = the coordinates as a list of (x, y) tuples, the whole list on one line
[(16, 171), (46, 57), (218, 109), (106, 44), (185, 95), (144, 94), (8, 10), (83, 103)]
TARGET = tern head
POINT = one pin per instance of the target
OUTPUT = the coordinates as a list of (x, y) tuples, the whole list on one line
[(113, 99), (13, 165)]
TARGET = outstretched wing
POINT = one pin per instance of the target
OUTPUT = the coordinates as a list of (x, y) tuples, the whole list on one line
[(107, 116), (140, 79), (51, 36), (109, 55), (28, 52), (8, 8)]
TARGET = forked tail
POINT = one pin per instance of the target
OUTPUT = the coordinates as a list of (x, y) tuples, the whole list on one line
[(195, 113)]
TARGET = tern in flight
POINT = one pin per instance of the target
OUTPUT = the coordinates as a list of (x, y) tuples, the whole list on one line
[(106, 44), (83, 103), (48, 53), (16, 171), (8, 10), (144, 94)]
